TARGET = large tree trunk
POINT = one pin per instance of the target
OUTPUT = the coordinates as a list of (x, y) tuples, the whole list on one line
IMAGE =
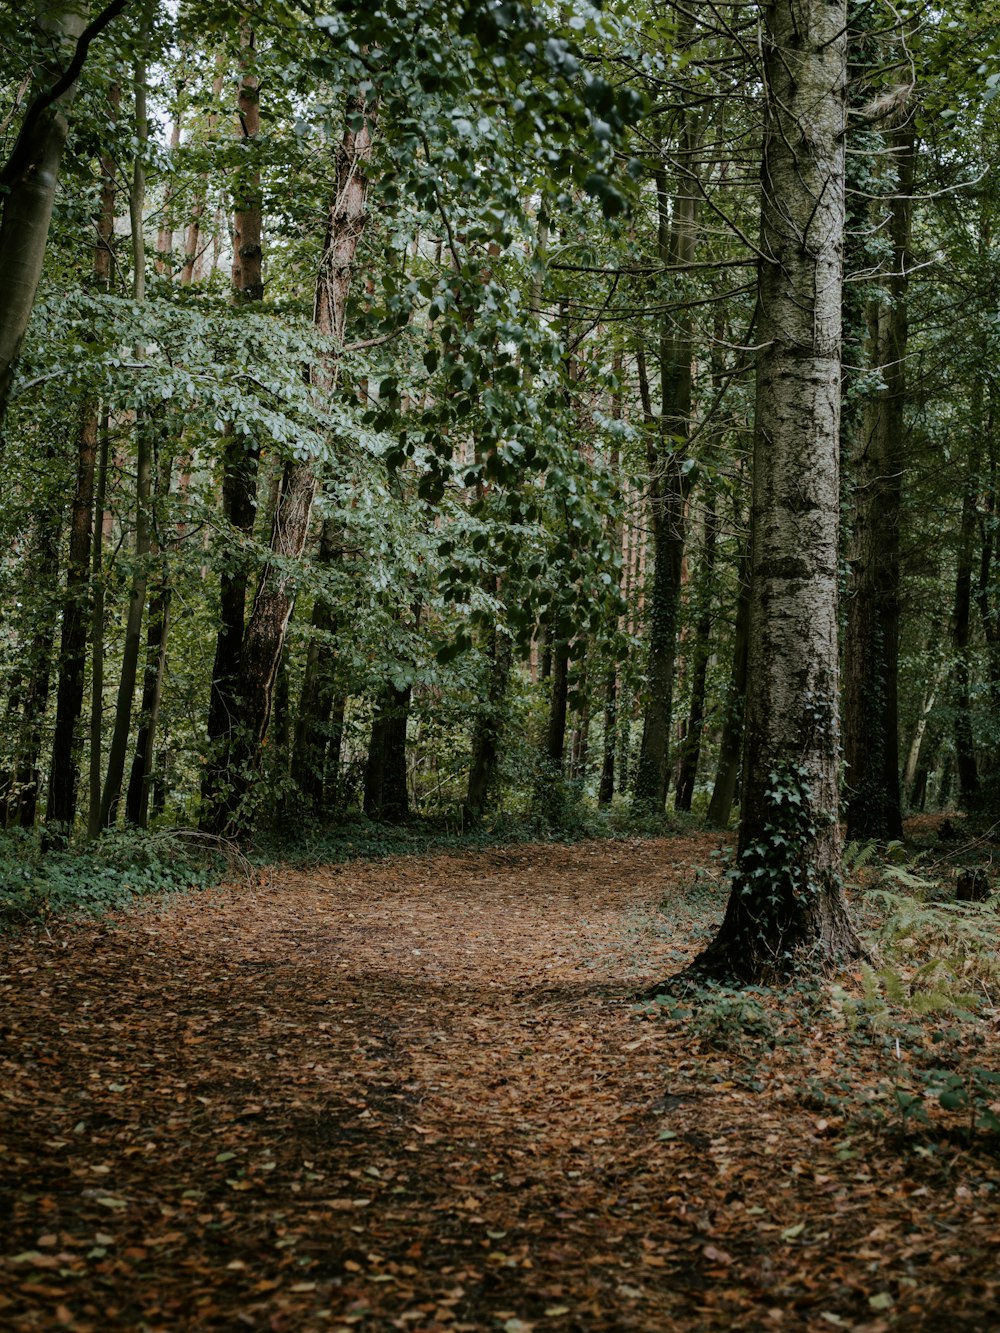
[(871, 647), (386, 794), (787, 902)]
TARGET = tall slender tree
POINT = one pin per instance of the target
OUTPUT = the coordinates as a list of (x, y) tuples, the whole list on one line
[(787, 901)]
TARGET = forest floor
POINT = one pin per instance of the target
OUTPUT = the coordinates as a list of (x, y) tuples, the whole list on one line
[(419, 1094)]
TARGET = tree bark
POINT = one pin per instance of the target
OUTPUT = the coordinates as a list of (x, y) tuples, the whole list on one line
[(787, 903), (871, 646), (386, 796), (144, 468), (969, 787), (316, 756), (97, 633), (33, 693), (264, 638), (691, 749), (489, 724), (731, 743), (30, 176), (64, 777), (240, 465), (555, 736), (669, 478)]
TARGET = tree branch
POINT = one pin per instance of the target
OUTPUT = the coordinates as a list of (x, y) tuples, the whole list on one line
[(65, 81)]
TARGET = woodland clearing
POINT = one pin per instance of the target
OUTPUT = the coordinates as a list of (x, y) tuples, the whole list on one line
[(421, 1094)]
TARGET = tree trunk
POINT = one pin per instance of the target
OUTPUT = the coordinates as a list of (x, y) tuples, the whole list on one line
[(489, 724), (691, 750), (264, 638), (669, 477), (555, 737), (965, 751), (97, 635), (606, 789), (923, 769), (64, 777), (316, 755), (137, 797), (240, 464), (731, 745), (386, 796), (871, 647), (144, 471), (787, 903), (34, 695), (30, 177)]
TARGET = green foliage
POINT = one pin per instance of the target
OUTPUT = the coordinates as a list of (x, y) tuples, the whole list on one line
[(731, 1020), (123, 868)]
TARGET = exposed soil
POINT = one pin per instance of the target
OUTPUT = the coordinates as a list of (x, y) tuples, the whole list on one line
[(419, 1094)]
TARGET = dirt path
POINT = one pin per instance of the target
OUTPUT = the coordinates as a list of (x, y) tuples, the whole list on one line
[(418, 1095)]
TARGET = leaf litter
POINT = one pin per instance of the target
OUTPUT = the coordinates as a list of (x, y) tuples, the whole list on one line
[(421, 1095)]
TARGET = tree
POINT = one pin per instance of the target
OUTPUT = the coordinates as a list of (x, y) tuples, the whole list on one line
[(31, 171), (787, 901)]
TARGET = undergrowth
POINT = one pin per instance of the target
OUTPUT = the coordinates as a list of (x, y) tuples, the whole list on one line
[(905, 1046), (355, 838), (102, 876)]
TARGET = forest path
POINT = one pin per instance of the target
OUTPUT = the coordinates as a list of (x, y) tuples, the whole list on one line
[(418, 1094)]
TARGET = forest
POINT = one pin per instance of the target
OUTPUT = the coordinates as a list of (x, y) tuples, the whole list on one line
[(499, 665), (380, 437)]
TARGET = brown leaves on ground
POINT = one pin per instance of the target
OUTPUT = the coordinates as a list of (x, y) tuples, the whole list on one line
[(419, 1095)]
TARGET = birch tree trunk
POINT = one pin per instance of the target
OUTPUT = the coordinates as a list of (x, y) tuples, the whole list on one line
[(787, 903)]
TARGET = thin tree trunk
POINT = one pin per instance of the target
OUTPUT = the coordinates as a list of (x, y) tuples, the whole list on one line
[(29, 177), (871, 648), (555, 736), (489, 724), (144, 471), (38, 662), (137, 797), (97, 634), (66, 742), (731, 744), (691, 749), (669, 476), (965, 751)]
